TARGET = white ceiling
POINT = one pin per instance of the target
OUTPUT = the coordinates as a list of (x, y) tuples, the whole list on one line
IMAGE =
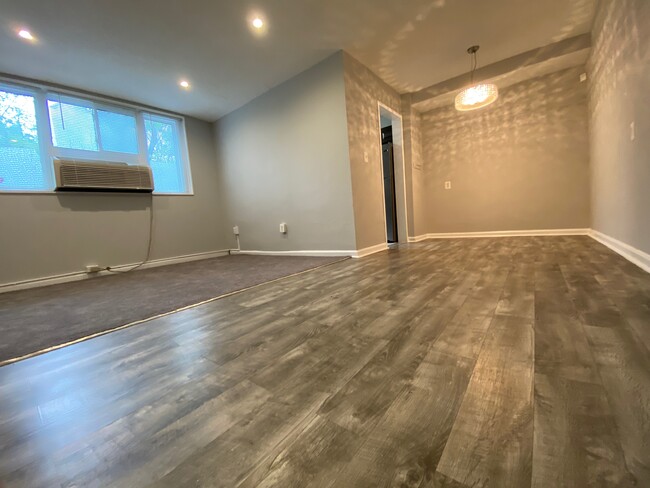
[(139, 49)]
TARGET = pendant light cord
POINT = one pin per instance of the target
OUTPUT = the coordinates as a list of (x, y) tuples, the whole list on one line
[(473, 64), (473, 61)]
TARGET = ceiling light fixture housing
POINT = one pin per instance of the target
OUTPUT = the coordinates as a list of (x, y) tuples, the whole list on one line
[(477, 95), (257, 23), (184, 84)]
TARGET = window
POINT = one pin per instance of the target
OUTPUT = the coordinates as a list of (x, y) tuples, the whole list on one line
[(82, 125), (73, 125), (20, 149), (37, 126), (163, 153), (117, 132)]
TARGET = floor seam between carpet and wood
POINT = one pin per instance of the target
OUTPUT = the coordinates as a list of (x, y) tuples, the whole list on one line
[(139, 321)]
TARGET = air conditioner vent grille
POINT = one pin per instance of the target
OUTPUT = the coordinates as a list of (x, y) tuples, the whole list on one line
[(84, 176)]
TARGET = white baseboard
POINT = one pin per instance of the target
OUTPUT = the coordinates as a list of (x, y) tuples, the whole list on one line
[(324, 253), (316, 253), (502, 233), (632, 254), (366, 251), (82, 275), (418, 238)]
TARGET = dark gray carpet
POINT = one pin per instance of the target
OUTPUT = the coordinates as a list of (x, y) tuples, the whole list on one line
[(40, 318)]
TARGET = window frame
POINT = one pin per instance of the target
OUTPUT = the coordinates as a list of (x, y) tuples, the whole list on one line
[(48, 151)]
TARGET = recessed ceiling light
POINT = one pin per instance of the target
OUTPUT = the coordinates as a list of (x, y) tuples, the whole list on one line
[(184, 84), (258, 23), (25, 34)]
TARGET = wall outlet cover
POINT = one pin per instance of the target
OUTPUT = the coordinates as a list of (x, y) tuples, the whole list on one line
[(447, 185)]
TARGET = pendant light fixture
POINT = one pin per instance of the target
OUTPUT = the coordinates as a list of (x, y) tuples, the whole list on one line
[(479, 95)]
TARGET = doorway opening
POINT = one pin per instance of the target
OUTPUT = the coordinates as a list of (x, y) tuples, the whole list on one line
[(394, 189), (388, 167)]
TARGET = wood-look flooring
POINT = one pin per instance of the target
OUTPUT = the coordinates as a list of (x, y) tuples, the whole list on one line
[(510, 362)]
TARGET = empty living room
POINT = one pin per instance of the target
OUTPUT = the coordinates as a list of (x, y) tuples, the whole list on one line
[(301, 243)]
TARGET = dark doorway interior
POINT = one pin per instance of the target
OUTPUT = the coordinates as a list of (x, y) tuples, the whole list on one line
[(389, 183)]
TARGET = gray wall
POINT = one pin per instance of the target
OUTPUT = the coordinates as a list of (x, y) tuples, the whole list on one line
[(363, 90), (519, 164), (284, 158), (49, 234), (619, 70)]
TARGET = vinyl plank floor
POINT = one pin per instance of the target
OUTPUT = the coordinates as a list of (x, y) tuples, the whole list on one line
[(576, 438), (490, 362), (405, 446), (624, 366), (490, 444)]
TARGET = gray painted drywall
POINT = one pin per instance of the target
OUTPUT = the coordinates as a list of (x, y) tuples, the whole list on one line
[(284, 158), (619, 94), (49, 234), (519, 164), (363, 90)]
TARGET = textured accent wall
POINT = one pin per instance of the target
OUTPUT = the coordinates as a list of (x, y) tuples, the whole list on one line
[(519, 164), (363, 89), (619, 69)]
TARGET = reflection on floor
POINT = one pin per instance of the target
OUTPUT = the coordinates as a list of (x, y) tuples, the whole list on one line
[(471, 362)]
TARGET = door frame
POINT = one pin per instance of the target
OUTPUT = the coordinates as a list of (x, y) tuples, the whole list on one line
[(399, 169)]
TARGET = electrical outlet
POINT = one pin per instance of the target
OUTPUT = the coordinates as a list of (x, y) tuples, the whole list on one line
[(632, 131), (447, 185), (365, 157), (235, 230), (283, 228), (583, 77)]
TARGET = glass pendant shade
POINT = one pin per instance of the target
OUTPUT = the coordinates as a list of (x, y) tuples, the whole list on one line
[(476, 96)]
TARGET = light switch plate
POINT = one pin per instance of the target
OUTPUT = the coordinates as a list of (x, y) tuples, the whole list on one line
[(447, 185)]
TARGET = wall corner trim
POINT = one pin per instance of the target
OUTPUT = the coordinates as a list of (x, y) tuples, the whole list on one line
[(366, 251), (82, 275), (502, 233), (632, 254)]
